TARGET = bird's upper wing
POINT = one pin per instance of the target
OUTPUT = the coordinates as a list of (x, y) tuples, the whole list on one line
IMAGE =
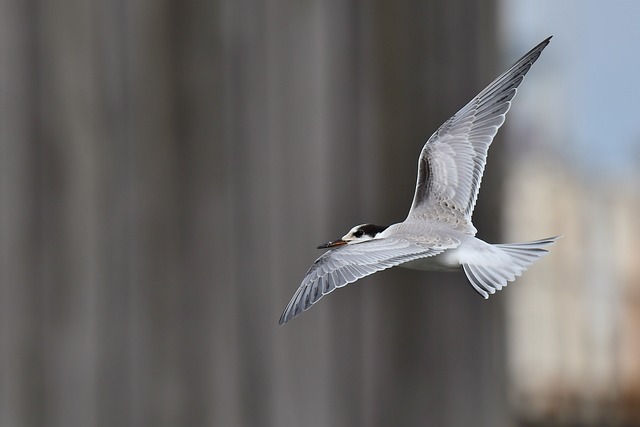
[(346, 264), (452, 161)]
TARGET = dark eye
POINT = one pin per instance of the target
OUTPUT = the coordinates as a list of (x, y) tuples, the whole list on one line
[(358, 233)]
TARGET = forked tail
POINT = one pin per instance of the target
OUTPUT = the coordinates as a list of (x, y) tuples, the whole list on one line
[(509, 262)]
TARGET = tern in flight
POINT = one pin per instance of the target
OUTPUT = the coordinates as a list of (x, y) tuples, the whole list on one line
[(438, 233)]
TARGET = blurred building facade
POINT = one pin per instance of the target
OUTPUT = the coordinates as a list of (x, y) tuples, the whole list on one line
[(572, 321), (573, 324)]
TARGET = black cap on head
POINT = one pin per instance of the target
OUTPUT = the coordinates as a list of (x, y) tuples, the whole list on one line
[(372, 229)]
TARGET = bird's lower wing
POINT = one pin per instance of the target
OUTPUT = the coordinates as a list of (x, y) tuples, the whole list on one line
[(346, 264)]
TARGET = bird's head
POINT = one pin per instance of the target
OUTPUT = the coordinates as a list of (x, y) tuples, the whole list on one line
[(359, 233)]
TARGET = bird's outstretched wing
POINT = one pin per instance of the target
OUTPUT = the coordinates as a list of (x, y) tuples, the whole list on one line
[(452, 161), (346, 264)]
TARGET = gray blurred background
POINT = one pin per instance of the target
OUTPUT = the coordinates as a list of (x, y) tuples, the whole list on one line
[(167, 169)]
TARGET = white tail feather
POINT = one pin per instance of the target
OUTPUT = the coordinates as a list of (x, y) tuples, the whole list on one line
[(486, 279)]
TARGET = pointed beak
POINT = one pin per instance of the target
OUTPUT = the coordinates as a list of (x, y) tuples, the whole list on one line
[(332, 244)]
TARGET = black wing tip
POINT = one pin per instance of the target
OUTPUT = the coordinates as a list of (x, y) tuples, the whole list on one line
[(533, 55), (292, 311), (546, 41), (287, 316), (537, 51), (542, 45)]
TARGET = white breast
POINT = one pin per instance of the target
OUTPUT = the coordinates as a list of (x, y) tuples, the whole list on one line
[(446, 261)]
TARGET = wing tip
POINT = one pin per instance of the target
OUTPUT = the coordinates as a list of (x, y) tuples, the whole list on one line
[(290, 313), (543, 43), (284, 317)]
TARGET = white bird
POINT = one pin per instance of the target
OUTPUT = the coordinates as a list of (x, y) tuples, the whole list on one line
[(438, 233)]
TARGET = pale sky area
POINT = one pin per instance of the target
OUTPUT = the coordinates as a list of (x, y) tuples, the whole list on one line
[(591, 69)]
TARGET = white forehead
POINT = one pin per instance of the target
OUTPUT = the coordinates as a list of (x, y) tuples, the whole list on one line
[(356, 228)]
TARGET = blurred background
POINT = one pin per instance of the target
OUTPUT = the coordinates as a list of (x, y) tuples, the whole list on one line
[(167, 169)]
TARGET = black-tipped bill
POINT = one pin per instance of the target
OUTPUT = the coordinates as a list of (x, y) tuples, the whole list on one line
[(332, 244)]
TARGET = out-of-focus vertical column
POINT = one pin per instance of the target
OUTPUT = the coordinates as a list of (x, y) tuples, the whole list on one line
[(434, 349), (21, 344)]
